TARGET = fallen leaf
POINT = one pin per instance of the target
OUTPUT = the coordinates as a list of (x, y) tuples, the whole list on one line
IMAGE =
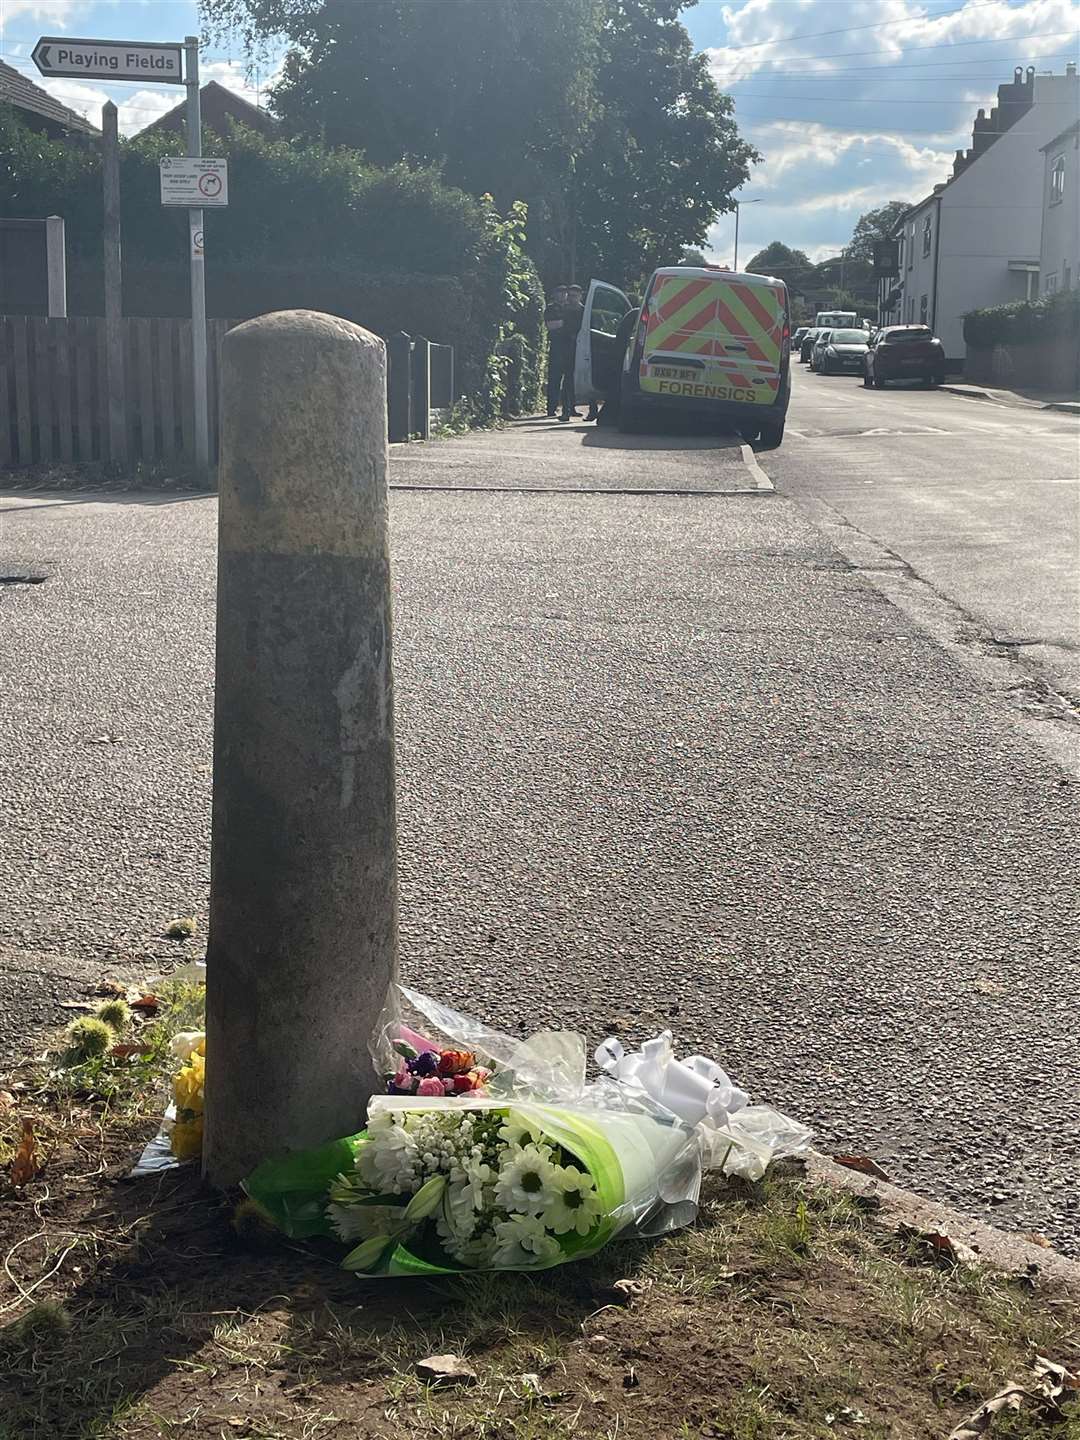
[(27, 1163), (7, 1100), (863, 1163), (125, 1051), (445, 1370), (1055, 1379), (935, 1246), (113, 989), (1050, 1383), (147, 1003), (1035, 1237)]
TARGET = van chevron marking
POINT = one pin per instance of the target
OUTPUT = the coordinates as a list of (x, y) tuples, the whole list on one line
[(732, 330)]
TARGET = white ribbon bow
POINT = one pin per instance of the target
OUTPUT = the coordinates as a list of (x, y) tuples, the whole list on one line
[(696, 1089)]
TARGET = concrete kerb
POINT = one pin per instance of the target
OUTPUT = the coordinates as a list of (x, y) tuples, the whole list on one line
[(1000, 1251), (760, 482), (1012, 399)]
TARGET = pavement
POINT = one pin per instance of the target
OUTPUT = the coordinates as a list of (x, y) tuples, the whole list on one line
[(1064, 400), (665, 759)]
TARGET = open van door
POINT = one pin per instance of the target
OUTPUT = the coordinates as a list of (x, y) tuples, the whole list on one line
[(596, 366)]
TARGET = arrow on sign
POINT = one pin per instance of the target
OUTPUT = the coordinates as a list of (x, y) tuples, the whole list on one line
[(40, 56)]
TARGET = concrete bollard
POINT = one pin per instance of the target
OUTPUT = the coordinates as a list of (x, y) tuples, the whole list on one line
[(303, 919)]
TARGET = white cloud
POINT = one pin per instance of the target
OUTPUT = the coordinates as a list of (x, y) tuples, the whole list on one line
[(813, 185), (758, 34), (50, 12)]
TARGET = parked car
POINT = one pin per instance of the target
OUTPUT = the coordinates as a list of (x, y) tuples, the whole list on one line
[(806, 344), (904, 352), (797, 338), (710, 342), (821, 340), (840, 351)]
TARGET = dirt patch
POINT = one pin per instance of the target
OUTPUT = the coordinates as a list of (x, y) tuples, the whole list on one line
[(134, 1309), (98, 476)]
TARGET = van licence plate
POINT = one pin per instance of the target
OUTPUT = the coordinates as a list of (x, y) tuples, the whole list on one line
[(670, 372)]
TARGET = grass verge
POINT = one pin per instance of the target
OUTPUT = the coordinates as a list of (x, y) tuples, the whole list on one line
[(133, 1309)]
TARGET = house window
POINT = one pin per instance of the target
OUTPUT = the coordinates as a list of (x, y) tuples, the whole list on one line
[(1051, 284), (923, 309), (927, 235), (911, 245), (1057, 181)]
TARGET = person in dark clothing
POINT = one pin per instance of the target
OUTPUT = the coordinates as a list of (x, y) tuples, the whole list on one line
[(553, 324), (624, 337), (573, 312)]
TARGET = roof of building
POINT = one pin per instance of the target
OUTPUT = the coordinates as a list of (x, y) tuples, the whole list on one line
[(1073, 129), (218, 103), (17, 90)]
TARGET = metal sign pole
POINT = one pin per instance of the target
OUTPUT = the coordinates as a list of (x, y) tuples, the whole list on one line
[(198, 270)]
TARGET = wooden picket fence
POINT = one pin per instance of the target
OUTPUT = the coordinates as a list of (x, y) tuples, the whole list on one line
[(54, 390)]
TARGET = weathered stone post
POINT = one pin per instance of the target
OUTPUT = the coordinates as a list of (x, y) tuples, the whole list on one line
[(303, 922)]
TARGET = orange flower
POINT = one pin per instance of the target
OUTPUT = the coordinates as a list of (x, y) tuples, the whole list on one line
[(456, 1062)]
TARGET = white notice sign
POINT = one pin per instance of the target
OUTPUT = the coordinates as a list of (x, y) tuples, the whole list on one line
[(195, 183)]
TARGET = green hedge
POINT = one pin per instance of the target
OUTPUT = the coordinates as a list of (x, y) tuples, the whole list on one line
[(1024, 322), (309, 227)]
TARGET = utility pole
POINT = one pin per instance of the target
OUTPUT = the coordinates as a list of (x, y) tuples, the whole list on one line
[(198, 266), (738, 204)]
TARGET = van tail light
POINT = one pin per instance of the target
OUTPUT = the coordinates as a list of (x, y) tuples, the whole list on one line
[(785, 342)]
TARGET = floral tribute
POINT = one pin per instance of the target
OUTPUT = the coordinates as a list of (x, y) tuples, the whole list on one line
[(481, 1188), (428, 1069), (189, 1095)]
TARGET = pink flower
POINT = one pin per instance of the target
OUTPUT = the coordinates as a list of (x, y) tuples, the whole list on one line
[(403, 1080), (431, 1086), (419, 1042)]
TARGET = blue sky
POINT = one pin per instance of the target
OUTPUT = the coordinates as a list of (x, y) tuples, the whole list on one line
[(869, 111)]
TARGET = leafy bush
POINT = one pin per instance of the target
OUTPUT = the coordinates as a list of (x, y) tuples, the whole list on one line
[(1024, 321), (394, 249), (506, 324)]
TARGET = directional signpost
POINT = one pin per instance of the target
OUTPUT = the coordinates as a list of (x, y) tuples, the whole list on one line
[(108, 60), (192, 182)]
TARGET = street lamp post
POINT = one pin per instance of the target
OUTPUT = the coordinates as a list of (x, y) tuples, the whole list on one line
[(738, 203)]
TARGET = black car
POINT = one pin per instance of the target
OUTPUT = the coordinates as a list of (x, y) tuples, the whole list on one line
[(806, 344), (904, 352)]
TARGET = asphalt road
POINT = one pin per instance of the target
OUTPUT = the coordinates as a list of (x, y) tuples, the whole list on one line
[(982, 500), (664, 759)]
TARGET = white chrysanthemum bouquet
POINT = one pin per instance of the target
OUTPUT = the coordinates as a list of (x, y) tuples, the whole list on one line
[(480, 1188)]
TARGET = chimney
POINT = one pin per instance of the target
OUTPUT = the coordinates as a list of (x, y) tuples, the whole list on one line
[(1070, 68)]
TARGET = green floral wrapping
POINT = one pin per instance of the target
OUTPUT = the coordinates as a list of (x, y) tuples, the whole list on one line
[(402, 1231)]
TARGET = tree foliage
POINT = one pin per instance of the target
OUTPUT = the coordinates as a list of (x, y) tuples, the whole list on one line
[(875, 225), (598, 113), (794, 267)]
